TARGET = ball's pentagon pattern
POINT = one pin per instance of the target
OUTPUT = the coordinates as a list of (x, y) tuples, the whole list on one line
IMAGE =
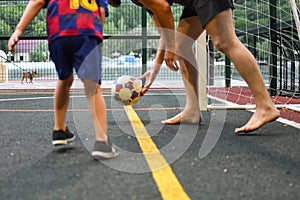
[(126, 90)]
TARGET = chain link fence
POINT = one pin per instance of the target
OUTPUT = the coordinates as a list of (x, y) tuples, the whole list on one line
[(122, 47)]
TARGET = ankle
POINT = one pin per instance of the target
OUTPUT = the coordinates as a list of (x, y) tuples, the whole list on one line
[(60, 128), (102, 138)]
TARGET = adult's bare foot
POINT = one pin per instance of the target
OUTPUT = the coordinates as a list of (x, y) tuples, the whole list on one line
[(184, 117), (258, 119)]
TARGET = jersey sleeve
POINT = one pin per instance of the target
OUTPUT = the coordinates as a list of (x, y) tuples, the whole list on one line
[(104, 4)]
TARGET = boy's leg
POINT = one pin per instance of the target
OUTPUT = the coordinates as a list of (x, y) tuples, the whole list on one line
[(61, 52), (61, 102), (221, 31), (103, 148), (100, 107), (97, 108), (61, 135)]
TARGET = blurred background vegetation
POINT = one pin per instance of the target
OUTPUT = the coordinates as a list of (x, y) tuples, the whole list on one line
[(127, 20)]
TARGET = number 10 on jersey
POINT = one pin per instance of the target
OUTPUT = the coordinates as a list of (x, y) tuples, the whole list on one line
[(92, 6)]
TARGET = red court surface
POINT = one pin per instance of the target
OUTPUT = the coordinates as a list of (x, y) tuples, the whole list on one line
[(243, 96)]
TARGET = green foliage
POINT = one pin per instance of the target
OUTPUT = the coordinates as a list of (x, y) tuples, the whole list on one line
[(123, 19), (5, 29), (128, 16), (120, 20), (248, 15), (177, 10), (40, 52), (11, 15)]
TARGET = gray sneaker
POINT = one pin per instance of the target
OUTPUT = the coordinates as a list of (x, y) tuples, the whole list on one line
[(104, 150)]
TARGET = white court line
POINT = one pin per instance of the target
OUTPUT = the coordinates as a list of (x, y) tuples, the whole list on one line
[(290, 123), (82, 96), (21, 99), (295, 107), (280, 119), (34, 98)]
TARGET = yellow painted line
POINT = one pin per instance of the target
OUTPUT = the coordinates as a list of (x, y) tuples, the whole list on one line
[(166, 181)]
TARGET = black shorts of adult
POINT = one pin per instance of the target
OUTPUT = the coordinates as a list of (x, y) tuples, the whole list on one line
[(137, 2), (205, 9)]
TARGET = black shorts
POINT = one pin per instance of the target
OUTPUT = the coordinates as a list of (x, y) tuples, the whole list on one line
[(204, 9), (82, 53), (137, 2)]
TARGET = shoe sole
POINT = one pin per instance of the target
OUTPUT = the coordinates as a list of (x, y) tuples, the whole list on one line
[(101, 155), (62, 142)]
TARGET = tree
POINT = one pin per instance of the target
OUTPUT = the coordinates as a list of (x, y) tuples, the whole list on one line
[(4, 30)]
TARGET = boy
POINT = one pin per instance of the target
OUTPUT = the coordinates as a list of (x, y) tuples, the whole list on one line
[(74, 31)]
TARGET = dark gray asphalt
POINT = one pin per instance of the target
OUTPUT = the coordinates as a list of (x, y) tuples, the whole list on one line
[(263, 165)]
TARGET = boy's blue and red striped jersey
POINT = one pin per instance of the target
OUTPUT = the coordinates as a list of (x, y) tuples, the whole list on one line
[(74, 17)]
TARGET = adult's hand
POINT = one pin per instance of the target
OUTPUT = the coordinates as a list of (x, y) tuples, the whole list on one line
[(171, 60), (149, 76)]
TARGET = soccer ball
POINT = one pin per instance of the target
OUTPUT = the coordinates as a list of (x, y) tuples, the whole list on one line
[(126, 90)]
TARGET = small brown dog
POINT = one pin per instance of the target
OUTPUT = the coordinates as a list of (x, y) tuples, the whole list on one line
[(28, 75)]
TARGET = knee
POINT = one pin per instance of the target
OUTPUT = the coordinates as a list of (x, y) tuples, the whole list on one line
[(221, 45), (90, 88), (225, 44), (67, 83)]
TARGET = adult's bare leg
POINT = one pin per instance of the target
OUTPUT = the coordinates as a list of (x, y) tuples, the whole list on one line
[(188, 31), (221, 31)]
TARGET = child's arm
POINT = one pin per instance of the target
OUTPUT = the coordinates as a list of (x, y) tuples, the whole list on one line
[(103, 9), (103, 16), (31, 10)]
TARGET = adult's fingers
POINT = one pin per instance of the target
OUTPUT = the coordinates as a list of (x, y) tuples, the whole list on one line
[(170, 59), (146, 88)]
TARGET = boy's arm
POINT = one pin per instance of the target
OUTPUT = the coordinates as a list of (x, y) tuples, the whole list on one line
[(103, 8), (103, 14), (31, 10)]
